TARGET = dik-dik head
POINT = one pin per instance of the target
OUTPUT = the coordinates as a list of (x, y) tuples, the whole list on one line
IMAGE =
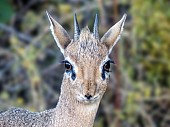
[(87, 64)]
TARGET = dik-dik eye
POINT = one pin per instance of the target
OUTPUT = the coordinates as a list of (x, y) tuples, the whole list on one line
[(106, 69), (68, 66), (69, 69), (106, 66)]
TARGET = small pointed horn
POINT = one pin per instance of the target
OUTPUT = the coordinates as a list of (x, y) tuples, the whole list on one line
[(76, 28), (95, 28)]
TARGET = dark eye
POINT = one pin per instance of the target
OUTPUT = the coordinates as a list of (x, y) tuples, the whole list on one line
[(106, 66), (69, 69), (68, 66)]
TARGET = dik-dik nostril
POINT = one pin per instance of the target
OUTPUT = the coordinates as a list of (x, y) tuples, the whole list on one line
[(88, 96)]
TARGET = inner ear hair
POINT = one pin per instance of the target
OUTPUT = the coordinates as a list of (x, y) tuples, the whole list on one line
[(111, 37), (59, 33)]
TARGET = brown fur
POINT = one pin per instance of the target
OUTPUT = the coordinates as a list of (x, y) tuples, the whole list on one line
[(87, 55)]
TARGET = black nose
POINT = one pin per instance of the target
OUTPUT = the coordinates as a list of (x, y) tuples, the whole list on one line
[(88, 96)]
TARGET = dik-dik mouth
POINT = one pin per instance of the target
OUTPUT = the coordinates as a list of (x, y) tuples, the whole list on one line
[(83, 99)]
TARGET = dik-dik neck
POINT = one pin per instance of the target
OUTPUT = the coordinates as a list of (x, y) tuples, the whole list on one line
[(74, 113)]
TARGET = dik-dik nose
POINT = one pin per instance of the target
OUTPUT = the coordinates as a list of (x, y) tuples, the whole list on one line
[(89, 91), (88, 96)]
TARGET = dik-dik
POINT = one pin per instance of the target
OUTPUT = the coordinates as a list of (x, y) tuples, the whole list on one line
[(85, 80)]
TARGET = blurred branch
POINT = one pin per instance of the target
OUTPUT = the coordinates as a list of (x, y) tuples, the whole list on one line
[(52, 91), (5, 105), (115, 9), (40, 36), (13, 31), (25, 8), (158, 98), (89, 5), (6, 52), (48, 71), (102, 13), (31, 3), (147, 117)]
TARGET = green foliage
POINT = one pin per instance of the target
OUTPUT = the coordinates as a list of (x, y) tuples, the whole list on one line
[(151, 28), (6, 11), (146, 69)]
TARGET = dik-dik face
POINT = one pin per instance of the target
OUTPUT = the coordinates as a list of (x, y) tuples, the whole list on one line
[(87, 64)]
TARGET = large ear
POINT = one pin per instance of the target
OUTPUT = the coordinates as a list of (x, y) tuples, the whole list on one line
[(59, 33), (111, 37)]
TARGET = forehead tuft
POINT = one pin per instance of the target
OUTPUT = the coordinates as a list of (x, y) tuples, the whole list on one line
[(86, 47)]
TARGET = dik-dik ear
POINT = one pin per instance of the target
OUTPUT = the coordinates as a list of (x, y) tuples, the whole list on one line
[(59, 33), (111, 37)]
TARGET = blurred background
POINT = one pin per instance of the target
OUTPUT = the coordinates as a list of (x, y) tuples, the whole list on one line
[(31, 74)]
